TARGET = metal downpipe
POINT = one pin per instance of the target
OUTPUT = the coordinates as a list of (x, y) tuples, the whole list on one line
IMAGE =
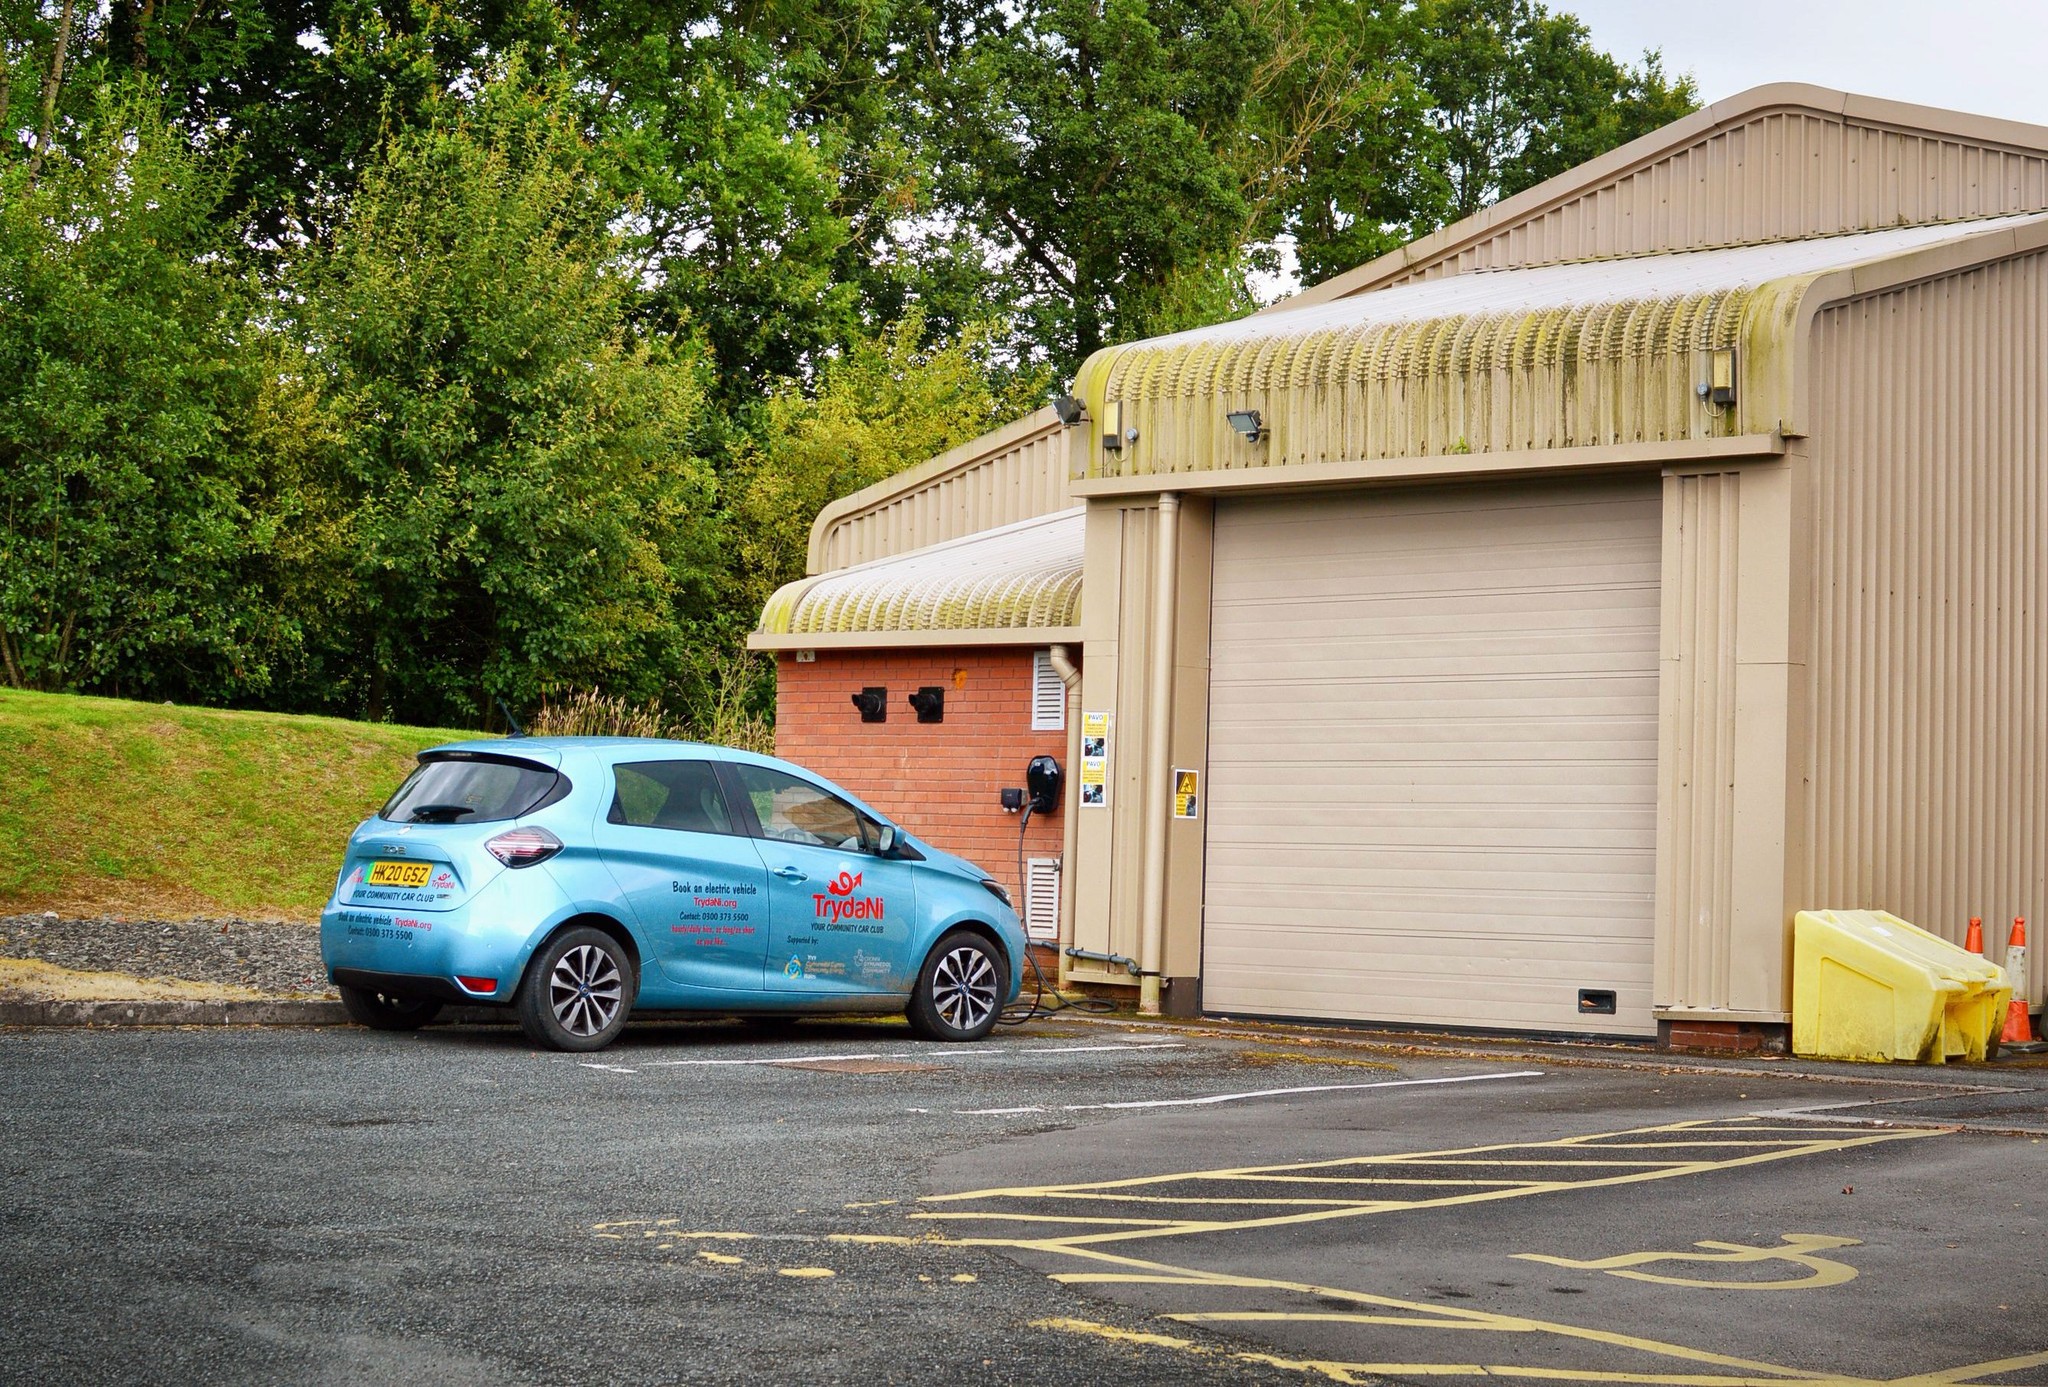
[(1158, 752)]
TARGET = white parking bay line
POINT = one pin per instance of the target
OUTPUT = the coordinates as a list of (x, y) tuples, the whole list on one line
[(976, 1053), (1241, 1097)]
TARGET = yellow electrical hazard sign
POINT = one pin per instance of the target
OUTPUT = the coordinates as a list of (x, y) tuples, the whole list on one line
[(1187, 794)]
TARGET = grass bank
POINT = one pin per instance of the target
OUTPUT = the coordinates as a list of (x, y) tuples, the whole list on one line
[(141, 809)]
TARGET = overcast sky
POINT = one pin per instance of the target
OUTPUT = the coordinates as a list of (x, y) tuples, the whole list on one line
[(1986, 56)]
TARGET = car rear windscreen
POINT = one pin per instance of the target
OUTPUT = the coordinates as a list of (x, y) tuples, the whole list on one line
[(470, 792)]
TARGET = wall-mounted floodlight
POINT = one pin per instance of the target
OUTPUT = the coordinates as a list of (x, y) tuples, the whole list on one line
[(930, 702), (1067, 408), (1248, 423), (873, 702)]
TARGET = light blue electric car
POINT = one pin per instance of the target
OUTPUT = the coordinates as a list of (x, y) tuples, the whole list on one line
[(578, 879)]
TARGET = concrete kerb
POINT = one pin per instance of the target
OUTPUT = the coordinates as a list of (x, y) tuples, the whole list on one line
[(1583, 1053), (283, 1011)]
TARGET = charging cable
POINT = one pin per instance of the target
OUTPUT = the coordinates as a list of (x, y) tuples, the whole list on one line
[(1018, 1012)]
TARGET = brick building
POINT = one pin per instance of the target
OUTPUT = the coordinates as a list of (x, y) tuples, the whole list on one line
[(986, 622), (1515, 631), (942, 780)]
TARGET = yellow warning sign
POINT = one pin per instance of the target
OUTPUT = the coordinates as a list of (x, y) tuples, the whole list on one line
[(1186, 794)]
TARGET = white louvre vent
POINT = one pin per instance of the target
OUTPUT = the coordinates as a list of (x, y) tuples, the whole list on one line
[(1042, 898), (1048, 695)]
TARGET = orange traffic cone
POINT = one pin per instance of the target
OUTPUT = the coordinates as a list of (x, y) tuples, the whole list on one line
[(2018, 1029), (1974, 940)]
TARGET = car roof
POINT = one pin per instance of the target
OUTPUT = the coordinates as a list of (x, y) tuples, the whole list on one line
[(607, 748), (612, 750)]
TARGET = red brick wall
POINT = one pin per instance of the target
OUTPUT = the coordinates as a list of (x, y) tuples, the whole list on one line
[(939, 780)]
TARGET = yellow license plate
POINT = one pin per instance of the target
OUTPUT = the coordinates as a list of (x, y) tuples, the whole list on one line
[(400, 873)]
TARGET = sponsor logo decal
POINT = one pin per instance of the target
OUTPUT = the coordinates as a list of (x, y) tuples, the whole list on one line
[(795, 967)]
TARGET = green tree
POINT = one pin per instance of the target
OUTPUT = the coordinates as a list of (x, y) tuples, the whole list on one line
[(889, 402), (135, 521), (1337, 151), (1085, 143), (1522, 95), (522, 510)]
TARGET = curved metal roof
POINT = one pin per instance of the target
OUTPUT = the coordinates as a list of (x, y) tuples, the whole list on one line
[(1025, 576), (1552, 356)]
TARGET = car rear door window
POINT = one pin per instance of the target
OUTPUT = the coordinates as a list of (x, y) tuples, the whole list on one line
[(679, 795)]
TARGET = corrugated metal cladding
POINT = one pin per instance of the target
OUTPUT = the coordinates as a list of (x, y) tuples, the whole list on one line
[(1433, 755), (1022, 576), (1929, 667), (1783, 175), (1696, 849), (1555, 356), (1025, 479)]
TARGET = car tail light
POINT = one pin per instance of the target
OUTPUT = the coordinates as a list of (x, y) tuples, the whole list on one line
[(478, 984), (522, 847)]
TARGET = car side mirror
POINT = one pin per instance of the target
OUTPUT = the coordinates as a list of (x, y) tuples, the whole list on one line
[(885, 840)]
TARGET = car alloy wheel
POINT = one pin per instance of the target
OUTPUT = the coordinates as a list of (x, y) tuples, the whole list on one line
[(577, 991), (959, 989), (585, 990)]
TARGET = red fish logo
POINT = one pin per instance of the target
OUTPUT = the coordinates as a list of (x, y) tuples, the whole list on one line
[(845, 884)]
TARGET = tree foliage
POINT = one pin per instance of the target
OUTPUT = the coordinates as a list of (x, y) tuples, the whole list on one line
[(134, 518), (520, 504), (403, 356)]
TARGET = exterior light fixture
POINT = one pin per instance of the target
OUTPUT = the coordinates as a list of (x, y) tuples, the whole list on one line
[(1067, 408), (1248, 423), (873, 702), (1721, 388), (930, 702)]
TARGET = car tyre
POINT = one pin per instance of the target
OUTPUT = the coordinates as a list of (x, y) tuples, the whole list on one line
[(959, 990), (577, 991), (381, 1011)]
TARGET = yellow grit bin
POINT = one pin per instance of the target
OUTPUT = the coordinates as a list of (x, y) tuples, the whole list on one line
[(1869, 986)]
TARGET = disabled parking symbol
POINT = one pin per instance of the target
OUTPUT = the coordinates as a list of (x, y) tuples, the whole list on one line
[(1800, 1249)]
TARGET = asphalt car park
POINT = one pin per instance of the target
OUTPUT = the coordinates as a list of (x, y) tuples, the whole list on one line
[(1069, 1201)]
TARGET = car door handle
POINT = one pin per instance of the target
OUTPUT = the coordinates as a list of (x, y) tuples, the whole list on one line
[(790, 874)]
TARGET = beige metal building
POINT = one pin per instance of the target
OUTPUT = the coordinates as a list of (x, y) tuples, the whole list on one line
[(1603, 579)]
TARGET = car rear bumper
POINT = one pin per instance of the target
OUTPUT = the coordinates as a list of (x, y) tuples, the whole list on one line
[(417, 956), (408, 985)]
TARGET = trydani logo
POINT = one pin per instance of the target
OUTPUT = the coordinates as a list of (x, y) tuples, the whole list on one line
[(845, 884)]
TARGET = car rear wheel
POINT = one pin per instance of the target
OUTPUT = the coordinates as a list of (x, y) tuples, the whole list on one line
[(576, 992), (959, 990), (381, 1011)]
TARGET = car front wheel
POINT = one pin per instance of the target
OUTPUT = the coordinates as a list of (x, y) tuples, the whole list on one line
[(959, 991), (576, 992), (381, 1011)]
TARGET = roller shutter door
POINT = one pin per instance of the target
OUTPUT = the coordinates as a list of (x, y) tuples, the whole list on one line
[(1433, 754)]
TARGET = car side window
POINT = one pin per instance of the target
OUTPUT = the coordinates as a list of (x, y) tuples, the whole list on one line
[(679, 795), (790, 810)]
